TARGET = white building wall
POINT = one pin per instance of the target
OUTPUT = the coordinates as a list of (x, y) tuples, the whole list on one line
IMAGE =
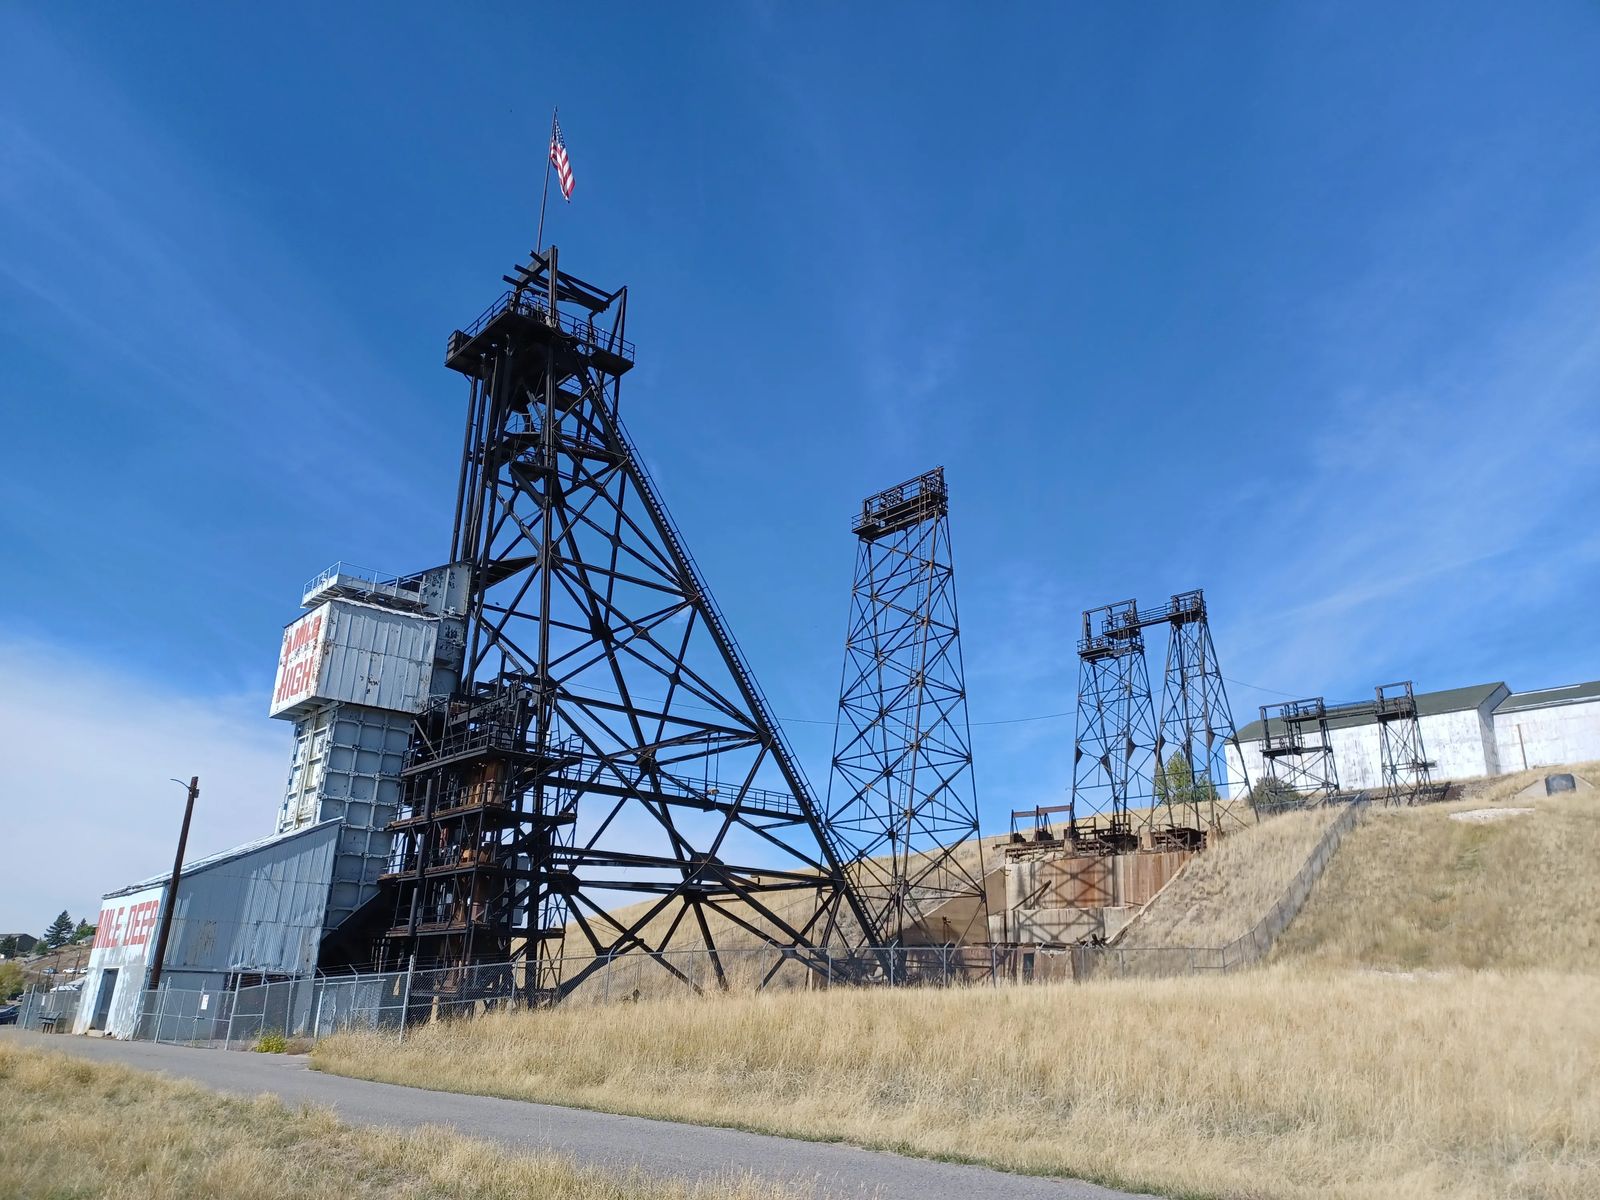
[(124, 942), (1550, 736), (1458, 742), (1460, 745)]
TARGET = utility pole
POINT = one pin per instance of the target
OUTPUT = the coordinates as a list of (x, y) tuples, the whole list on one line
[(172, 887)]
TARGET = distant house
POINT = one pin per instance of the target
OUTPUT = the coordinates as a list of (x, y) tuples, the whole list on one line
[(25, 941)]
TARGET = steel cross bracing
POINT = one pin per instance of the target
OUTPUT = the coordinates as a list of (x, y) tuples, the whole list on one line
[(608, 742), (1196, 726), (1406, 769), (1296, 752), (901, 798), (1299, 754), (1116, 732)]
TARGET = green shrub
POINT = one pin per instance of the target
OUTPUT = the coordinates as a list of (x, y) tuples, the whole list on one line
[(272, 1043)]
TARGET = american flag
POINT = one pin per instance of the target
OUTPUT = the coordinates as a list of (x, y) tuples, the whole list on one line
[(558, 156)]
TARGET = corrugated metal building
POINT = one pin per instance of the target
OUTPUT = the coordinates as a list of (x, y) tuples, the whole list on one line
[(255, 910), (369, 653), (1467, 732)]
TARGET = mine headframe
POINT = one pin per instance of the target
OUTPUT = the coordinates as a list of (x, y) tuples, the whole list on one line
[(1406, 769), (1165, 772), (1195, 729), (1116, 730), (901, 796), (1297, 755), (608, 741), (1300, 760)]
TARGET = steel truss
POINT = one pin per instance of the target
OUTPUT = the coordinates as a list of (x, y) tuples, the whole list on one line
[(1195, 729), (1406, 769), (1131, 768), (608, 741), (1116, 733), (1296, 753), (901, 798)]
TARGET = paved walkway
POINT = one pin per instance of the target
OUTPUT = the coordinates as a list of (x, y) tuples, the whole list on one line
[(660, 1148)]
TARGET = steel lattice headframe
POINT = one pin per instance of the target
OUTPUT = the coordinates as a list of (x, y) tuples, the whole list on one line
[(1297, 746), (902, 797), (1196, 726), (1297, 753), (1132, 768), (608, 741), (1116, 735), (1406, 769)]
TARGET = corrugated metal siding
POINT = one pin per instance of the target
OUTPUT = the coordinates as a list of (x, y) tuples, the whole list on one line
[(1138, 877), (262, 912), (1090, 882), (259, 910), (346, 767), (377, 658)]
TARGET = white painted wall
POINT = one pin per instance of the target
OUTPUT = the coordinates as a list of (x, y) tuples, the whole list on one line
[(124, 941), (1551, 736), (1462, 745)]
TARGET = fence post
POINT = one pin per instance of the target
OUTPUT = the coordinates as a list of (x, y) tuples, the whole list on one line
[(161, 1008), (318, 989), (233, 1007), (405, 1000)]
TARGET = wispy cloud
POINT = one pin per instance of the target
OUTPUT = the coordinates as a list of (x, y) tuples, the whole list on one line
[(89, 755), (1429, 502)]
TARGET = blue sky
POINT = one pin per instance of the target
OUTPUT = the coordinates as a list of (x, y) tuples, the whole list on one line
[(1296, 303)]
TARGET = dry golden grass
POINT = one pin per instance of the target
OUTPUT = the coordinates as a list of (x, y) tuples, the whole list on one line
[(1226, 889), (1498, 788), (1267, 1083), (71, 1128), (1412, 889)]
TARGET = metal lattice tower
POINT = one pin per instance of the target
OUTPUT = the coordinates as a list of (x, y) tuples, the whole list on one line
[(902, 797), (1196, 726), (1406, 769), (1296, 751), (608, 741), (1116, 732)]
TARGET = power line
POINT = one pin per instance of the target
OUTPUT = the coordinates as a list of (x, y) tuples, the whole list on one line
[(1054, 716)]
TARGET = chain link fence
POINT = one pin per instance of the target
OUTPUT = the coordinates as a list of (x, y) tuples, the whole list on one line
[(304, 1009), (49, 1011), (1114, 962)]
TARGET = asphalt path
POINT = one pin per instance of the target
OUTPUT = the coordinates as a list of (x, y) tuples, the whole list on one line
[(659, 1148)]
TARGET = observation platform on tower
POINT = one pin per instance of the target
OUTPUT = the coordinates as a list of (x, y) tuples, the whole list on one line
[(587, 319)]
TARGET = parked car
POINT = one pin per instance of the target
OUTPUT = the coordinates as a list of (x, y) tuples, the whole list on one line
[(8, 1013)]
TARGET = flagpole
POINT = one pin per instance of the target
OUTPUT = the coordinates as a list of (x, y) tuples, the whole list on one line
[(544, 197)]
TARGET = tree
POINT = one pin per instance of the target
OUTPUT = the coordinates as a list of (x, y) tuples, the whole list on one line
[(8, 945), (1268, 796), (1176, 784), (83, 932), (12, 980), (60, 930)]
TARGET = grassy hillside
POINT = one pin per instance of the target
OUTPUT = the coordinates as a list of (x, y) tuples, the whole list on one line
[(1413, 889), (1225, 890), (1268, 1083), (70, 1128), (1338, 1070)]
